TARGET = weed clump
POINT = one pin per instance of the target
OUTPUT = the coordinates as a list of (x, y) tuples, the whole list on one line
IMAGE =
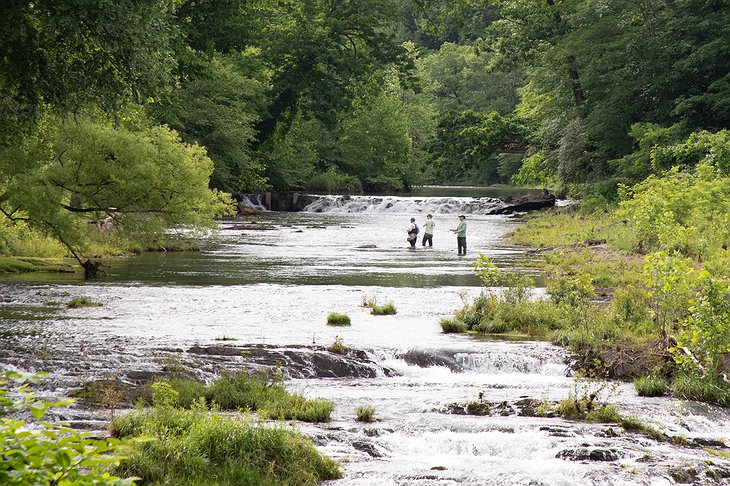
[(383, 310), (449, 326), (337, 319), (82, 301), (338, 347), (651, 386), (365, 413), (241, 391)]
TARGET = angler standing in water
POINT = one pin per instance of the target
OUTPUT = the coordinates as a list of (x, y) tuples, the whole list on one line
[(428, 231), (412, 233), (461, 235)]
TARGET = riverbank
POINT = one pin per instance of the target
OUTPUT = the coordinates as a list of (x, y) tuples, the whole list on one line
[(625, 313)]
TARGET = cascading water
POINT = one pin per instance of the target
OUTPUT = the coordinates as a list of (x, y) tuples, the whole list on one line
[(402, 205), (258, 295)]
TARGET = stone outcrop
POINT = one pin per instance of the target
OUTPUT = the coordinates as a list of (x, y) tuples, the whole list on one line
[(528, 202)]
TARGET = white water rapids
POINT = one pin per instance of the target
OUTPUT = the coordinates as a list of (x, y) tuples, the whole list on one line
[(272, 283)]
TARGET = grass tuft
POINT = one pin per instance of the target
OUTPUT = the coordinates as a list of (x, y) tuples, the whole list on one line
[(365, 413), (336, 319), (82, 301), (449, 326), (651, 386), (383, 310)]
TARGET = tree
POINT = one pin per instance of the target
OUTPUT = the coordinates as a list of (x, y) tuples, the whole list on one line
[(217, 106), (66, 54), (144, 179)]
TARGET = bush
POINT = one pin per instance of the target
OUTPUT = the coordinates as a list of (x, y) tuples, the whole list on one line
[(383, 310), (452, 326), (197, 447), (335, 319), (37, 452), (651, 386), (365, 413)]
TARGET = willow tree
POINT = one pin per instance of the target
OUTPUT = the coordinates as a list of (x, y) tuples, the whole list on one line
[(144, 180)]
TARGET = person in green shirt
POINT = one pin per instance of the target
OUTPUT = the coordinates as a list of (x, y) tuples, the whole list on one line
[(428, 231), (461, 235)]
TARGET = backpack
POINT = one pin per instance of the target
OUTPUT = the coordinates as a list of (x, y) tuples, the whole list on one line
[(415, 229)]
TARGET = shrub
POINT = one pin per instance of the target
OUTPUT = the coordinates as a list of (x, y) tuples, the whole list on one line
[(651, 386), (383, 310), (336, 319), (365, 413), (452, 325), (43, 453)]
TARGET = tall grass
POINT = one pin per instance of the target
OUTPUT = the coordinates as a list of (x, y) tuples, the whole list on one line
[(240, 391), (196, 447)]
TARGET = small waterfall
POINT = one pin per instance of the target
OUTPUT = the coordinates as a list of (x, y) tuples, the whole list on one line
[(251, 201), (402, 205)]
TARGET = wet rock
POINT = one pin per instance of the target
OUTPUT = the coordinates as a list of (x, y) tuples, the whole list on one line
[(556, 431), (530, 202), (438, 468), (588, 454), (368, 246), (301, 361), (702, 442), (366, 447), (371, 432), (684, 475), (425, 358), (111, 392)]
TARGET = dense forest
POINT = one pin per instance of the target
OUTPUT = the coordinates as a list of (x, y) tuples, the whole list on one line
[(99, 98)]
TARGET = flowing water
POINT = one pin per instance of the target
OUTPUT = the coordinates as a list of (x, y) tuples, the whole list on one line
[(259, 294)]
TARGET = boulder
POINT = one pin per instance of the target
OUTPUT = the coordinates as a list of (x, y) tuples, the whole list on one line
[(529, 202)]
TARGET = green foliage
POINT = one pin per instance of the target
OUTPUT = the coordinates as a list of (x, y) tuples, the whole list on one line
[(39, 452), (82, 301), (468, 142), (196, 447), (63, 56), (164, 395), (535, 170), (337, 319), (375, 145), (492, 276), (671, 280), (242, 391), (386, 309), (217, 107), (682, 211), (81, 170), (365, 413), (692, 386), (651, 386), (704, 340), (571, 291)]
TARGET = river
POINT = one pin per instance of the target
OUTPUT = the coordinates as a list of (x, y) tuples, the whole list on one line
[(260, 291)]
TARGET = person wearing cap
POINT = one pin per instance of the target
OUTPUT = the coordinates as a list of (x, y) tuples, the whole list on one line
[(461, 235)]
